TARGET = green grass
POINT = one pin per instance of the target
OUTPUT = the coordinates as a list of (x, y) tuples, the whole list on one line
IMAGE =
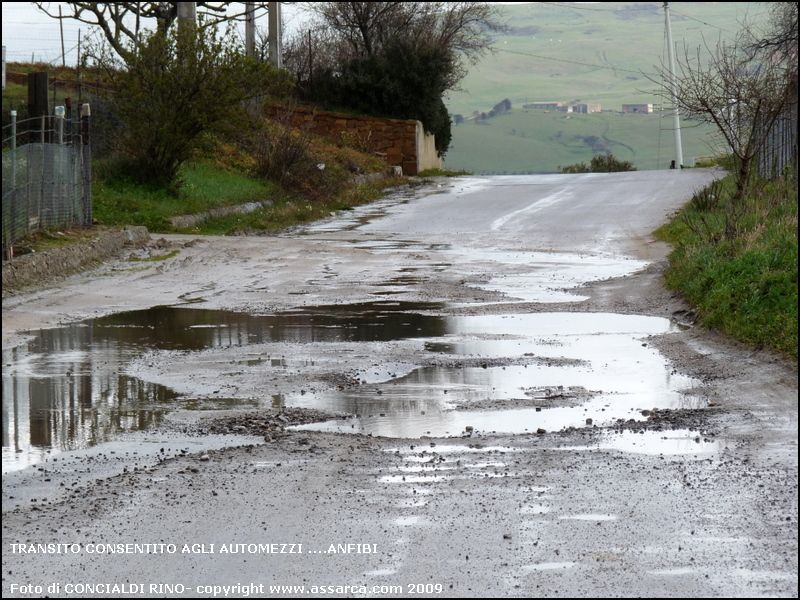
[(49, 239), (618, 43), (442, 173), (617, 35), (535, 141), (121, 201), (218, 178), (744, 285)]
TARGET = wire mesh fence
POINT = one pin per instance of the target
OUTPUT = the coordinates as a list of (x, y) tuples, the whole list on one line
[(779, 151), (46, 175)]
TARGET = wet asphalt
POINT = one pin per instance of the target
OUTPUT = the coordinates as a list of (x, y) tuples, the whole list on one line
[(527, 411)]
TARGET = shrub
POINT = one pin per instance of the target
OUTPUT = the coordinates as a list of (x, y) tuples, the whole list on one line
[(281, 152), (177, 87), (600, 163), (576, 168), (306, 163), (607, 163)]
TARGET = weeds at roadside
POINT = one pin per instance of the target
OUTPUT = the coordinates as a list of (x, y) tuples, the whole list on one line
[(738, 263)]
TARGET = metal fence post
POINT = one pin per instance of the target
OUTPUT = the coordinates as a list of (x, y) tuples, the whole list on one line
[(86, 163), (42, 179), (60, 112), (59, 181), (12, 228), (14, 148)]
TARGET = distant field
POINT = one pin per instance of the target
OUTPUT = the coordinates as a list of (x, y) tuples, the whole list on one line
[(619, 42), (536, 141)]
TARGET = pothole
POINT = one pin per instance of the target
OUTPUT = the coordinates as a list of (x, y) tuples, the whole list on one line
[(468, 375)]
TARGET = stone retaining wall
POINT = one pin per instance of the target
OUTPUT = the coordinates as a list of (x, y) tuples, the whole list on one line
[(50, 265), (401, 142)]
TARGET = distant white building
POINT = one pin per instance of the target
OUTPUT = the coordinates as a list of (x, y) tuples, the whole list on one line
[(637, 108), (584, 107)]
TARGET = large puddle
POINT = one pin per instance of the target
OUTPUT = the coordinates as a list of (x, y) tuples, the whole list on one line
[(67, 388), (556, 370)]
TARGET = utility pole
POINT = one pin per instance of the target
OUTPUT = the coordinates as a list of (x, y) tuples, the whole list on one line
[(275, 34), (250, 29), (676, 119), (61, 25), (187, 14), (78, 67), (138, 10)]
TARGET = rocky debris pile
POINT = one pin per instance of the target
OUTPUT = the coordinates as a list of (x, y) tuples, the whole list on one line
[(693, 419), (269, 424)]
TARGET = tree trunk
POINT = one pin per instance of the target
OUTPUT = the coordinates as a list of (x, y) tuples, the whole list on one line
[(734, 209)]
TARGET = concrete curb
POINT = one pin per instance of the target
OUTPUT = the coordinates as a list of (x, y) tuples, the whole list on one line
[(51, 265)]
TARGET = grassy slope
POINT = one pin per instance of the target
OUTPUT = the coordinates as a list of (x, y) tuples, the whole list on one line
[(746, 286), (223, 174), (123, 202), (631, 39), (538, 141)]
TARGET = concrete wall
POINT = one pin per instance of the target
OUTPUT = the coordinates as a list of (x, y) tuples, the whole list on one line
[(427, 157), (400, 142)]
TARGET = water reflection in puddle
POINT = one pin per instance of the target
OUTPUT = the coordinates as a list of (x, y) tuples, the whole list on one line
[(65, 388), (595, 351)]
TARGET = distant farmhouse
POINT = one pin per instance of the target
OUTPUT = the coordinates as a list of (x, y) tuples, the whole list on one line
[(544, 105), (567, 107), (582, 107), (637, 108)]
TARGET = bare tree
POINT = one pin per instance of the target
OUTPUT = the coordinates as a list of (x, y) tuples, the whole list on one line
[(364, 25), (343, 31), (315, 49), (120, 22), (779, 41), (740, 92)]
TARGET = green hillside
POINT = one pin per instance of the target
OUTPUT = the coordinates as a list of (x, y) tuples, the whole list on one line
[(616, 44), (535, 141)]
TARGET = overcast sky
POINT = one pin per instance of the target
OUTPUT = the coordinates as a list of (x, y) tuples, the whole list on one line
[(28, 32)]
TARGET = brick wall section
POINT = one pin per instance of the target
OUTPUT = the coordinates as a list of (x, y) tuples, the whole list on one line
[(394, 139)]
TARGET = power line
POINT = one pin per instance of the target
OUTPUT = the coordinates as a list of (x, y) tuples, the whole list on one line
[(700, 21), (573, 62), (614, 10), (563, 5)]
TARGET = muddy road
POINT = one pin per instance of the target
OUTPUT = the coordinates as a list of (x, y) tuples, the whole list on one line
[(476, 387)]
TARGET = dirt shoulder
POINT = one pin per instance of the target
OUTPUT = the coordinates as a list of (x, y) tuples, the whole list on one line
[(41, 268)]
